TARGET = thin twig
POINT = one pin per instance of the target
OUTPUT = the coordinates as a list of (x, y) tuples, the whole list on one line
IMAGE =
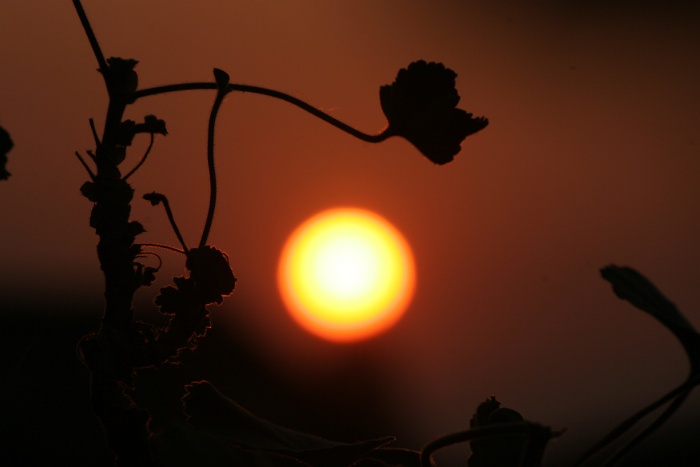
[(143, 159), (161, 245), (157, 198), (631, 421), (94, 133), (267, 92), (91, 37), (221, 93), (171, 218), (144, 254), (670, 410), (87, 167)]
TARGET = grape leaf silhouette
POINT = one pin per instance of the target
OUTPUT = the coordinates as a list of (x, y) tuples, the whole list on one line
[(421, 106)]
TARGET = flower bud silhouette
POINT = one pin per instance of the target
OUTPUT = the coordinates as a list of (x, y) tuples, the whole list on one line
[(421, 107)]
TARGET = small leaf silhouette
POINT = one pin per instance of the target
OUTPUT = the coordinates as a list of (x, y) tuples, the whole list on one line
[(178, 299), (145, 275), (421, 107), (6, 145), (154, 198), (89, 190), (211, 412), (129, 128), (211, 273), (152, 124), (121, 78), (136, 228)]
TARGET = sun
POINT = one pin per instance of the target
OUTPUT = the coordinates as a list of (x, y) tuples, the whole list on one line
[(346, 274)]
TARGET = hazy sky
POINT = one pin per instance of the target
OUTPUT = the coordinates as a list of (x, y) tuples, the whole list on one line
[(592, 157)]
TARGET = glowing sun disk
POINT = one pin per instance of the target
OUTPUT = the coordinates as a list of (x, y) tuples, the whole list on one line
[(346, 274)]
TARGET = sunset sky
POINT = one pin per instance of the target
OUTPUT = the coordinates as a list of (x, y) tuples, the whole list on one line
[(592, 157)]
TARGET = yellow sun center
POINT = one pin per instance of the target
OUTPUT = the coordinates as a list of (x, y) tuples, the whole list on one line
[(346, 274)]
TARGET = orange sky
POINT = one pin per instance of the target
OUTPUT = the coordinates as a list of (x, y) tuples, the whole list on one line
[(591, 157)]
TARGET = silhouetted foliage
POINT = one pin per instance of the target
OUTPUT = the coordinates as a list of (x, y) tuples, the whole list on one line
[(630, 285), (6, 145), (498, 437), (502, 451), (421, 106)]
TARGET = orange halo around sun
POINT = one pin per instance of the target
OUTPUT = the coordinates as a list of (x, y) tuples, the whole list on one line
[(346, 274)]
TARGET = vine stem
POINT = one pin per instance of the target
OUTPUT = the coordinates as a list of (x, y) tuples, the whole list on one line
[(91, 38), (675, 405), (222, 90), (143, 158), (158, 198), (267, 92), (161, 245), (525, 428), (679, 393)]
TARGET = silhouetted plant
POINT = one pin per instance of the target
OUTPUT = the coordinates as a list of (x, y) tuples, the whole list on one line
[(633, 287), (500, 437), (420, 106)]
